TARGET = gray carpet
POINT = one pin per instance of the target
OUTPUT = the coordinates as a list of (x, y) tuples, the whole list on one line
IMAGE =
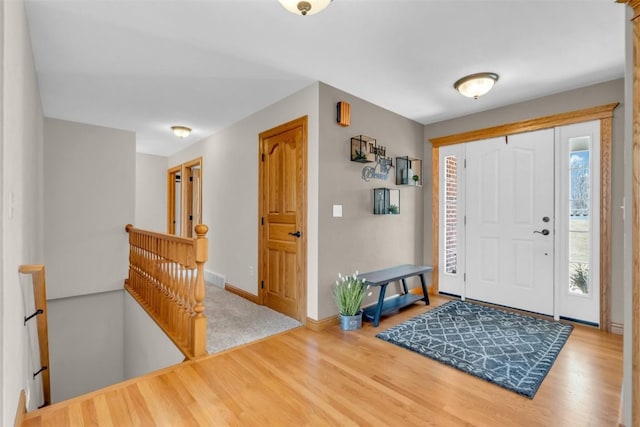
[(511, 350), (233, 320)]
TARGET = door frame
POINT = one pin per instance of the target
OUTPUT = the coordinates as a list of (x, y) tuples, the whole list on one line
[(185, 195), (456, 279), (604, 113), (171, 198), (302, 256), (562, 217)]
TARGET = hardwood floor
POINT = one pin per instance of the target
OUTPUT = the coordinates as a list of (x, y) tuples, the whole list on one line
[(307, 378)]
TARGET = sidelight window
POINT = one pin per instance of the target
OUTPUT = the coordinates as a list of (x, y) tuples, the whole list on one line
[(451, 212), (579, 215)]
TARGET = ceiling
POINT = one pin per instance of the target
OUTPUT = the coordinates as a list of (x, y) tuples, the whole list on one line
[(145, 65)]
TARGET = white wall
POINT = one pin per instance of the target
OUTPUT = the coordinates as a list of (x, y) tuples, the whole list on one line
[(230, 191), (628, 229), (86, 345), (89, 174), (21, 193), (151, 192), (146, 347)]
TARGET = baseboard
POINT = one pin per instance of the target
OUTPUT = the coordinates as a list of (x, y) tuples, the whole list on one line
[(22, 409), (418, 290), (241, 293), (314, 325), (617, 328), (322, 324)]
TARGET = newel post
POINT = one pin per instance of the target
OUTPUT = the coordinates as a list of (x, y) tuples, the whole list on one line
[(199, 320), (127, 283)]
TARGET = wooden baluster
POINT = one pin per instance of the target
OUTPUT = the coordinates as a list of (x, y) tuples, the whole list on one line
[(166, 275), (187, 302)]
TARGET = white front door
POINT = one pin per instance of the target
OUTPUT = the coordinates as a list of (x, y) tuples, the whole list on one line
[(510, 226)]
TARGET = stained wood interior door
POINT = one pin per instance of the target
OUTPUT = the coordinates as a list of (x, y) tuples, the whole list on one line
[(282, 219)]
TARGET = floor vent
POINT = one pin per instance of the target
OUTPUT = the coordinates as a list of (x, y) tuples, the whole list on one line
[(214, 278)]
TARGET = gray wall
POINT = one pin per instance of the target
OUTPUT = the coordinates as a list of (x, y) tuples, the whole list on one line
[(21, 193), (89, 176), (146, 347), (101, 339), (151, 192), (361, 240), (89, 185), (86, 346), (591, 96)]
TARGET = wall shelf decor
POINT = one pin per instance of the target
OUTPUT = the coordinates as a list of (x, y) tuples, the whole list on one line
[(363, 149), (386, 201), (408, 171)]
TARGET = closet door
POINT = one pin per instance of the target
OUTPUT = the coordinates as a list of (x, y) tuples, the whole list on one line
[(510, 226)]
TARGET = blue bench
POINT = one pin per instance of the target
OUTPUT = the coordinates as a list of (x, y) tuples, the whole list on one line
[(385, 276)]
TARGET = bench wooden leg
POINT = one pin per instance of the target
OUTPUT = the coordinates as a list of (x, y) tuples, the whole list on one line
[(376, 319), (424, 290)]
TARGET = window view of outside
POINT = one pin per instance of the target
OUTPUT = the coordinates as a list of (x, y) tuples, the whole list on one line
[(579, 218), (451, 212)]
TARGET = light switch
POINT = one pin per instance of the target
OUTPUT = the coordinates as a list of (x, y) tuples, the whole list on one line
[(337, 211)]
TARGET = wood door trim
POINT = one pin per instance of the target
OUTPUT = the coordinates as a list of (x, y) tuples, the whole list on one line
[(186, 196), (635, 220), (435, 217), (606, 128), (635, 213), (171, 197), (302, 286), (546, 122), (605, 114), (171, 194)]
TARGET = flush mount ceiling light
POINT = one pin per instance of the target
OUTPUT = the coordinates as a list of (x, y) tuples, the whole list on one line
[(476, 85), (304, 8), (181, 131)]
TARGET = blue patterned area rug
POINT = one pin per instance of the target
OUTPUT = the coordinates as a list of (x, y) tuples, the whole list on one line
[(508, 349)]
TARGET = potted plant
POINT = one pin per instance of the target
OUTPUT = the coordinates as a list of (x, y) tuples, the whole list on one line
[(580, 278), (349, 293)]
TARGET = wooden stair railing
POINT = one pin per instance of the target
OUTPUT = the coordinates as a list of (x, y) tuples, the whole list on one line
[(40, 317), (166, 277)]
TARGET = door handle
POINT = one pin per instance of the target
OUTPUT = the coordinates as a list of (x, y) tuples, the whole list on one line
[(296, 234), (544, 232)]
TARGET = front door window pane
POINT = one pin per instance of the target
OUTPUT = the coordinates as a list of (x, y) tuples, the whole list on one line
[(451, 215), (579, 215)]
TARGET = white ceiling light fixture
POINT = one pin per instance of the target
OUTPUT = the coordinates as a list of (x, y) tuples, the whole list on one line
[(476, 85), (309, 7), (181, 131)]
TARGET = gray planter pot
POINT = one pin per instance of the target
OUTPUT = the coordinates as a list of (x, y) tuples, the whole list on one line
[(351, 323)]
